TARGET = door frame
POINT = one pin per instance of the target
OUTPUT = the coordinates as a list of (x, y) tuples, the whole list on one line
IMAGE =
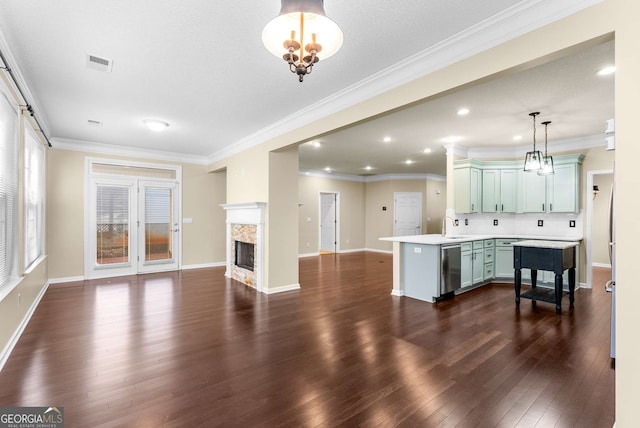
[(337, 229), (90, 177), (589, 222)]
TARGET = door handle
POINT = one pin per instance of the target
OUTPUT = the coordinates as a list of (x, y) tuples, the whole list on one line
[(176, 230)]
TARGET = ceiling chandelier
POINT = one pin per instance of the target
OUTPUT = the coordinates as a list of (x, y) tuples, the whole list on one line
[(533, 159), (302, 26), (547, 161)]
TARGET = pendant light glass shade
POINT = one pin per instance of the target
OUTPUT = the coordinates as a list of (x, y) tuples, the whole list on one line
[(547, 161), (302, 35), (533, 159)]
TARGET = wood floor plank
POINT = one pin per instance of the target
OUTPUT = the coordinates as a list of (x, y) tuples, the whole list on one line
[(195, 348)]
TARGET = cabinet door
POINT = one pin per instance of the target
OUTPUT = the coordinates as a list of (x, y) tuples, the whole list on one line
[(476, 190), (504, 262), (508, 186), (534, 193), (562, 189), (466, 260), (490, 190), (467, 182), (478, 266)]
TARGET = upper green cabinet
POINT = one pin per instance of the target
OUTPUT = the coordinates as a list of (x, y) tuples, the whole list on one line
[(503, 187), (499, 190), (467, 182)]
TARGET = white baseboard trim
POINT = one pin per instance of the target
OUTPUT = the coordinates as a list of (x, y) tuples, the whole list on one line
[(6, 352), (353, 250), (203, 265), (602, 265), (397, 293), (282, 289), (308, 255), (375, 250), (67, 279)]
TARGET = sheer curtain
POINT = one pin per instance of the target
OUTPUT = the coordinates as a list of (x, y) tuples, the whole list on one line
[(33, 198)]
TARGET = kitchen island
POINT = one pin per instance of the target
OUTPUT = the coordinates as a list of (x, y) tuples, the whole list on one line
[(552, 256), (418, 262)]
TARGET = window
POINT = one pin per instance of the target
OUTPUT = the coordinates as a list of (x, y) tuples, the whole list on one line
[(33, 198), (8, 190)]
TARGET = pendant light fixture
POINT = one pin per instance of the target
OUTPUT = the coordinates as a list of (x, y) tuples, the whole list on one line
[(302, 26), (547, 161), (533, 159)]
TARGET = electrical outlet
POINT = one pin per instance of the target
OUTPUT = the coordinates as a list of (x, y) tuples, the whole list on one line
[(572, 223), (540, 223), (495, 221), (466, 222), (384, 208), (456, 222)]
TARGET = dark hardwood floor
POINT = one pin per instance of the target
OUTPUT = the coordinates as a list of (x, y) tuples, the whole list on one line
[(197, 349)]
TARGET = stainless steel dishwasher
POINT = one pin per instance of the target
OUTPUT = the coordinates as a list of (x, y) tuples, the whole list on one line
[(451, 270)]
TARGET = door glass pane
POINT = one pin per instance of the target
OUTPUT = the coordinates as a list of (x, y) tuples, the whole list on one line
[(112, 224), (158, 220)]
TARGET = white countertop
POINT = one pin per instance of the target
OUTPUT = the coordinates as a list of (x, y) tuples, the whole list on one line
[(546, 244), (437, 239)]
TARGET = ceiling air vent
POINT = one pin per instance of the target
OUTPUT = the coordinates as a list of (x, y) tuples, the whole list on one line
[(94, 122), (99, 63)]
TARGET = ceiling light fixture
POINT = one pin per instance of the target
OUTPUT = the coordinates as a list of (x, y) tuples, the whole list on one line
[(463, 111), (408, 161), (386, 140), (547, 161), (451, 139), (302, 26), (155, 125), (605, 71), (533, 159), (368, 167), (426, 151), (517, 137)]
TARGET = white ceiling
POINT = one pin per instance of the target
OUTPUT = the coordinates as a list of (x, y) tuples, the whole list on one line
[(200, 65)]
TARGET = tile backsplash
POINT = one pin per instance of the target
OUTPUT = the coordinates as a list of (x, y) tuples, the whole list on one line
[(520, 224)]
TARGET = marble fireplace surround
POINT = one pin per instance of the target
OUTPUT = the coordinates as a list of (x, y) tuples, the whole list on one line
[(245, 222)]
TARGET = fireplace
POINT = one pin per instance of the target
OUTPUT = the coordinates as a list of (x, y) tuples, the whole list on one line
[(245, 243), (245, 255)]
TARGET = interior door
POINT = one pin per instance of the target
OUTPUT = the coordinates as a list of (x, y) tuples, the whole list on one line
[(328, 216), (408, 213), (158, 226)]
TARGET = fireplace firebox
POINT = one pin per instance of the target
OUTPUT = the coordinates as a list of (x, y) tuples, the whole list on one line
[(245, 255)]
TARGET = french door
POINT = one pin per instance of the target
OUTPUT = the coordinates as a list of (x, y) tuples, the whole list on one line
[(134, 227)]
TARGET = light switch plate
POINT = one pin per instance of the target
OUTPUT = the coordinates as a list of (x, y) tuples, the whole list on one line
[(540, 223), (572, 223), (495, 221)]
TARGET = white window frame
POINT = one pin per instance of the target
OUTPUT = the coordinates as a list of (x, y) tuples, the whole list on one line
[(33, 198), (13, 244)]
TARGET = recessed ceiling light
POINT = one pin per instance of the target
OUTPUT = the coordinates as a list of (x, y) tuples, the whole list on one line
[(452, 139), (368, 167), (386, 140), (327, 169), (427, 151), (408, 161), (605, 71), (315, 144), (463, 111), (155, 125), (517, 137)]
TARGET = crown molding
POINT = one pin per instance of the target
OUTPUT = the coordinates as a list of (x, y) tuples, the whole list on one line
[(515, 21), (110, 149), (17, 74), (370, 178), (554, 147)]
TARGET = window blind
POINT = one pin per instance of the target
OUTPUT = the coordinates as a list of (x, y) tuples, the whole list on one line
[(9, 147)]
